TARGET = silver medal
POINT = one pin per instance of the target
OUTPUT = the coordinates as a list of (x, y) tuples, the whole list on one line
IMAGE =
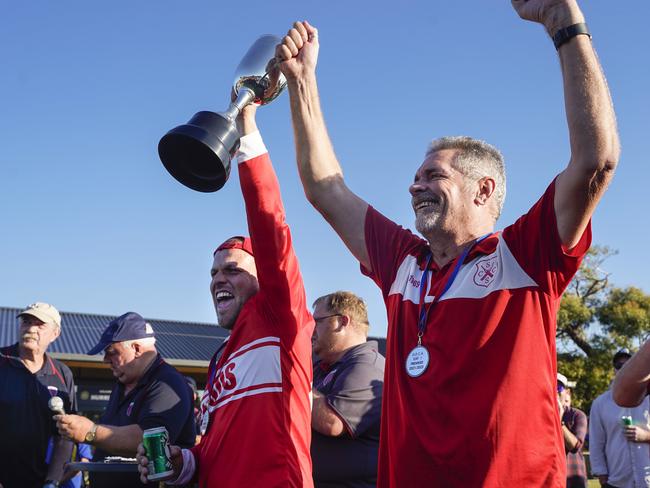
[(417, 361)]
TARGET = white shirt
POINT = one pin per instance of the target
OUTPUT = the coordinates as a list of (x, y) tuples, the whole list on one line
[(626, 463)]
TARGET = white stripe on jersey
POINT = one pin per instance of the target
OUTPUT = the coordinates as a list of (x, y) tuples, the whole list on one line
[(253, 344), (476, 279), (253, 369)]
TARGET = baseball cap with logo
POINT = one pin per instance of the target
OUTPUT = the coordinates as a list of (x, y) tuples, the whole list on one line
[(127, 327), (43, 311)]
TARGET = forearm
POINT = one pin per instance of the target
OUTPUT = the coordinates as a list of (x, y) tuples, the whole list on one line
[(571, 442), (121, 441), (61, 454), (631, 383), (589, 109), (324, 419), (317, 163)]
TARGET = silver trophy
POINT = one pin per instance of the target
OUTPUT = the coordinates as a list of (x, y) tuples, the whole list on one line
[(198, 153)]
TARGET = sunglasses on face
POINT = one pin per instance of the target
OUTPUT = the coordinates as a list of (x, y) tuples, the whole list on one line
[(560, 388)]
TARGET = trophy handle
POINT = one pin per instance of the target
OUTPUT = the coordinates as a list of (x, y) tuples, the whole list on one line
[(244, 97)]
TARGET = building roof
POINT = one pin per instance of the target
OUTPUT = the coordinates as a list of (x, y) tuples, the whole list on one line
[(182, 343)]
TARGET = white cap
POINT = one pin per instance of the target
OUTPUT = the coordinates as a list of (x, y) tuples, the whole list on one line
[(565, 381)]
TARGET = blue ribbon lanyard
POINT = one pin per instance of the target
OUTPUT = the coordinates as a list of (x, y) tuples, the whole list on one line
[(424, 310)]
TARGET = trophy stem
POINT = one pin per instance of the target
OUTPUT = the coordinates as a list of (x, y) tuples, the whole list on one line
[(244, 97)]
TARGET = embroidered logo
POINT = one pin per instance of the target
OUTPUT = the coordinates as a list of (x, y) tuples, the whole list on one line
[(129, 409), (328, 378), (486, 270)]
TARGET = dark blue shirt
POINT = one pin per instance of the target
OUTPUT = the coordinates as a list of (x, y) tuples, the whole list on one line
[(26, 424), (161, 398), (353, 389)]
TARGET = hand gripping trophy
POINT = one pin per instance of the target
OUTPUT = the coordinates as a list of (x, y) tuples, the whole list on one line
[(198, 153)]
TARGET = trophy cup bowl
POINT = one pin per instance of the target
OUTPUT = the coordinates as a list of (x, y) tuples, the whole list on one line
[(198, 153)]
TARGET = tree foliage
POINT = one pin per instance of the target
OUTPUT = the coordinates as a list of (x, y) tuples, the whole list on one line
[(594, 321)]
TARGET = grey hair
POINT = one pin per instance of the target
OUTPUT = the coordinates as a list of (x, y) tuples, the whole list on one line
[(476, 159), (145, 341)]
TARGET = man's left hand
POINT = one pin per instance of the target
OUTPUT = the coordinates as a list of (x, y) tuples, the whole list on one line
[(634, 433), (73, 427)]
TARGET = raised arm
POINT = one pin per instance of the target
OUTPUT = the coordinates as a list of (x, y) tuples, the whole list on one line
[(631, 382), (590, 116), (319, 169), (278, 271)]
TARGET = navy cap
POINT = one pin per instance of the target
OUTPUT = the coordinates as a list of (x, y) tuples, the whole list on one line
[(620, 353), (127, 327)]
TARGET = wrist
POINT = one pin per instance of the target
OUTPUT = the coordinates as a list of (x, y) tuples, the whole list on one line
[(304, 78), (246, 125), (563, 17)]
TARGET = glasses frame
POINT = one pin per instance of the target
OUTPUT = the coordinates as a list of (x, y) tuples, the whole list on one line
[(320, 319)]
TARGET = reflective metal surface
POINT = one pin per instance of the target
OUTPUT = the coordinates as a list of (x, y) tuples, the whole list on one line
[(258, 71), (198, 153)]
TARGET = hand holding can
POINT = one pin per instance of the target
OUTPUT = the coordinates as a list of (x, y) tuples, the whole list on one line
[(157, 460)]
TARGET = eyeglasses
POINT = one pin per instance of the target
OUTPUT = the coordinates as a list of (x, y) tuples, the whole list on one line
[(560, 388), (320, 319)]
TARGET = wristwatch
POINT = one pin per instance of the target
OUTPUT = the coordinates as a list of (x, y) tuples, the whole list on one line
[(90, 435)]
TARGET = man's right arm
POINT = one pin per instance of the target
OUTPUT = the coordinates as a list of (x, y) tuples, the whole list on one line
[(319, 169), (631, 382)]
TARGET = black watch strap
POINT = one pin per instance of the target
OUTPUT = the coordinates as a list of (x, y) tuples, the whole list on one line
[(563, 35)]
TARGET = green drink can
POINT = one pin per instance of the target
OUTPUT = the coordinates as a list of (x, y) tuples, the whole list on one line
[(626, 420), (156, 447)]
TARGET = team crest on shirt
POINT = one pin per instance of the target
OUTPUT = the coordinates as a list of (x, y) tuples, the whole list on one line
[(129, 409), (486, 271)]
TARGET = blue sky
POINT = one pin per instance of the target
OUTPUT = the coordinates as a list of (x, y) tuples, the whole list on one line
[(93, 223)]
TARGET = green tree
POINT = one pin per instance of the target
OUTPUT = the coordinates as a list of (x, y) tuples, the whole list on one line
[(595, 320)]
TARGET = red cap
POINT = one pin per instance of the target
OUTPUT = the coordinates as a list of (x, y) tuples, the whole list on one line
[(236, 242)]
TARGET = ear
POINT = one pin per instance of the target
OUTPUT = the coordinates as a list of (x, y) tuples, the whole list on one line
[(485, 190), (137, 349), (344, 321)]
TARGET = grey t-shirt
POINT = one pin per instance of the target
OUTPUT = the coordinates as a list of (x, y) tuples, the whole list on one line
[(353, 388)]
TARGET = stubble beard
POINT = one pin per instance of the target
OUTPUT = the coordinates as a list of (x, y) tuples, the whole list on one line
[(427, 223), (227, 320)]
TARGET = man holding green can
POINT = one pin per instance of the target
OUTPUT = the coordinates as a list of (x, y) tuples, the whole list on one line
[(619, 438)]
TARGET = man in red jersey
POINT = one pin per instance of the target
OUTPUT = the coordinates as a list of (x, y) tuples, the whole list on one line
[(470, 384), (256, 428)]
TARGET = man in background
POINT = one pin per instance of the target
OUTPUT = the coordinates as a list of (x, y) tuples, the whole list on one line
[(348, 383), (574, 431), (618, 449), (29, 377), (149, 393)]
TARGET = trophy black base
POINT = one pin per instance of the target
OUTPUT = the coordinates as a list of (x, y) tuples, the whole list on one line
[(198, 153)]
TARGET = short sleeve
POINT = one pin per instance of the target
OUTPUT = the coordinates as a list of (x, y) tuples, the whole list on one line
[(167, 403), (535, 243), (356, 397), (72, 391), (387, 243)]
